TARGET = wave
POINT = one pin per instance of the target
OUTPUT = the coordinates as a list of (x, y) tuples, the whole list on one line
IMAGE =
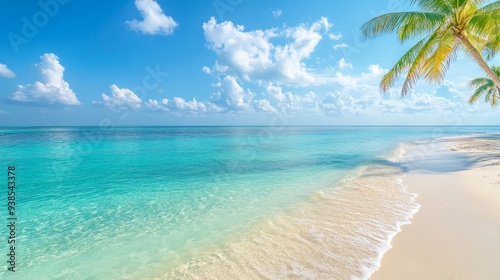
[(340, 232)]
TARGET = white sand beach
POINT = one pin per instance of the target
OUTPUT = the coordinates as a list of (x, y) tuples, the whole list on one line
[(456, 233)]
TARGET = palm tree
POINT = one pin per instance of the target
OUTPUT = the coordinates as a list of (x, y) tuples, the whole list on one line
[(487, 87), (447, 26)]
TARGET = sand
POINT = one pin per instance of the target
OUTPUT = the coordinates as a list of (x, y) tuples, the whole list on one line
[(456, 233)]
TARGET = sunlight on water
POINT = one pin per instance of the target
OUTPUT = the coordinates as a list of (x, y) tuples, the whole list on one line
[(129, 203)]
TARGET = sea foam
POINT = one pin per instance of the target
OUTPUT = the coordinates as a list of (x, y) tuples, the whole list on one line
[(340, 233)]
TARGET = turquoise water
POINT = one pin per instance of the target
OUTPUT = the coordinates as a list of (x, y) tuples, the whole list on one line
[(134, 202)]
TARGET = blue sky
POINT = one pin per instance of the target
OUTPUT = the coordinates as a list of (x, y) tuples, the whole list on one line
[(213, 62)]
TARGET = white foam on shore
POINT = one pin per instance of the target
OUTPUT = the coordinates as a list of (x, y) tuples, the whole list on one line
[(339, 233)]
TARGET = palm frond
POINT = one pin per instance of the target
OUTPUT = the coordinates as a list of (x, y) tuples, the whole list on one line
[(440, 60), (486, 87), (478, 93), (415, 70), (478, 82), (491, 97), (496, 69), (494, 98), (438, 6), (491, 6), (491, 47), (402, 65), (447, 26), (419, 23), (484, 24)]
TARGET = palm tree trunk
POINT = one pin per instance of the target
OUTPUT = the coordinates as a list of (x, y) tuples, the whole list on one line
[(479, 59)]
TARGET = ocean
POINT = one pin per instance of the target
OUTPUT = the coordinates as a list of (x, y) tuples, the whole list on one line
[(206, 202)]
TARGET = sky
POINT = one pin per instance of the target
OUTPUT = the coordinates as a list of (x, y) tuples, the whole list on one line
[(215, 62)]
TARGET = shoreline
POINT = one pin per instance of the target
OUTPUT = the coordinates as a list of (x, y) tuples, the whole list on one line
[(456, 232), (341, 231)]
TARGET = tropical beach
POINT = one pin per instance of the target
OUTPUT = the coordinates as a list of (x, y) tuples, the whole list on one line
[(233, 139), (307, 203), (456, 233)]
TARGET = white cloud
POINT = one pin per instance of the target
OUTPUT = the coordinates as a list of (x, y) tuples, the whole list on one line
[(369, 103), (340, 46), (340, 103), (344, 65), (277, 13), (374, 72), (155, 21), (335, 37), (121, 98), (3, 112), (52, 90), (206, 69), (232, 96), (229, 97), (252, 55), (178, 105), (322, 23), (360, 95), (357, 95), (6, 72), (155, 105), (263, 105), (289, 102)]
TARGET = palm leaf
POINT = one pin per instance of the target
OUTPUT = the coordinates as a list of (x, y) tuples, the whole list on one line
[(479, 92), (415, 70), (447, 27), (478, 82), (486, 87), (491, 6), (443, 55), (402, 65), (439, 6), (418, 23), (484, 24)]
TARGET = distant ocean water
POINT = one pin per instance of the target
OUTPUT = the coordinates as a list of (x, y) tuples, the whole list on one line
[(206, 202)]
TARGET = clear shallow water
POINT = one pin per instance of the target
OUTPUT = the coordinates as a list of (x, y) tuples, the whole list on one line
[(137, 202)]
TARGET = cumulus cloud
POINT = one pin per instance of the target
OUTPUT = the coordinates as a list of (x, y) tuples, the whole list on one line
[(277, 13), (289, 102), (53, 89), (178, 105), (356, 95), (343, 64), (252, 55), (374, 72), (155, 22), (155, 105), (343, 103), (263, 105), (360, 95), (6, 72), (340, 103), (121, 98), (232, 96)]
